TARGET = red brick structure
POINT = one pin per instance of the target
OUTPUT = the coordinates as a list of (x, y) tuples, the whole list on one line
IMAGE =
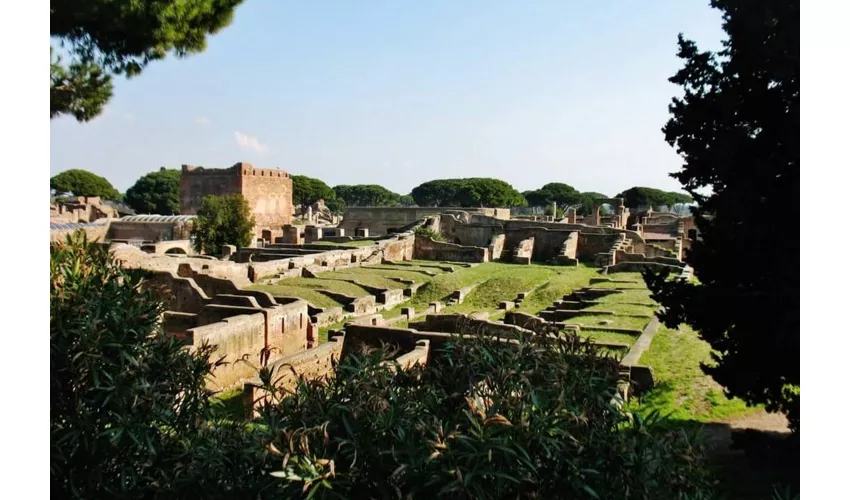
[(268, 191)]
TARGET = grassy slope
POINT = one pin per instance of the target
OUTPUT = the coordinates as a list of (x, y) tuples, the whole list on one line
[(387, 273), (368, 279), (616, 321), (559, 285), (682, 390), (311, 296), (610, 337), (504, 284)]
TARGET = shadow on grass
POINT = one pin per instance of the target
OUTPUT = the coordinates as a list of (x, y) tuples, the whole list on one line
[(748, 464)]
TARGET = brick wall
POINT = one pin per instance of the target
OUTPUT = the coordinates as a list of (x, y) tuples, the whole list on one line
[(268, 192)]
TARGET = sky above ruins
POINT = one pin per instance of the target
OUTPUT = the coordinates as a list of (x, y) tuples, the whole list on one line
[(401, 92)]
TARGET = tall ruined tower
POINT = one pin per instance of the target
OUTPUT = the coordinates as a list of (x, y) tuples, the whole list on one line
[(268, 191)]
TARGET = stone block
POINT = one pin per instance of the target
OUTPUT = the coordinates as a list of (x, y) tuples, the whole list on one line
[(227, 251), (409, 312)]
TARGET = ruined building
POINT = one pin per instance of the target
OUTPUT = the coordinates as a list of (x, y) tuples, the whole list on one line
[(268, 191)]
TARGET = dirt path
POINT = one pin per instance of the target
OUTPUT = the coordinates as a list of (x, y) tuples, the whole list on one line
[(751, 474), (718, 434)]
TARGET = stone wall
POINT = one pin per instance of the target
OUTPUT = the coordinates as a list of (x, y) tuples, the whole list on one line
[(428, 249), (590, 244), (396, 249), (523, 251), (548, 243), (178, 323), (384, 220), (497, 246), (132, 257), (180, 294), (235, 337), (285, 325), (312, 364), (268, 192), (461, 324)]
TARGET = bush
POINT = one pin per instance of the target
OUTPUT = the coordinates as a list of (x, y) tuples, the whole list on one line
[(222, 220), (485, 419), (130, 415), (427, 232)]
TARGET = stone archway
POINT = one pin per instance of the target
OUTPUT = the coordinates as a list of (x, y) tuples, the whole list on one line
[(617, 204)]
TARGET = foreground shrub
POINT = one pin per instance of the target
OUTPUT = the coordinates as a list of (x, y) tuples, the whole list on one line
[(130, 416), (485, 419)]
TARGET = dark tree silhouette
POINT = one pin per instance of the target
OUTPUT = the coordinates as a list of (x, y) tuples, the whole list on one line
[(645, 197), (103, 38), (737, 128)]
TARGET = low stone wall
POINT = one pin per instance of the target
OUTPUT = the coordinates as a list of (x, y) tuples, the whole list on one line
[(418, 356), (428, 249), (385, 220), (133, 258), (180, 294), (639, 257), (461, 324), (362, 337), (177, 323), (357, 305), (311, 364), (530, 322), (235, 337), (396, 248)]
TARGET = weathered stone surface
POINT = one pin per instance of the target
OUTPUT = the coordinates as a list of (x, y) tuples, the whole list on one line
[(428, 249), (523, 251), (268, 192)]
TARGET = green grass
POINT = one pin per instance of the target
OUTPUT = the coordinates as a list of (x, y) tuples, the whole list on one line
[(621, 308), (503, 286), (682, 390), (617, 321), (229, 405), (307, 289), (386, 273), (610, 337), (562, 283), (369, 279), (638, 295), (420, 272), (433, 264), (311, 296)]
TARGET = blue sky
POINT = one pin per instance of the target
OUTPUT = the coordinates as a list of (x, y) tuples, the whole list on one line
[(398, 92)]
